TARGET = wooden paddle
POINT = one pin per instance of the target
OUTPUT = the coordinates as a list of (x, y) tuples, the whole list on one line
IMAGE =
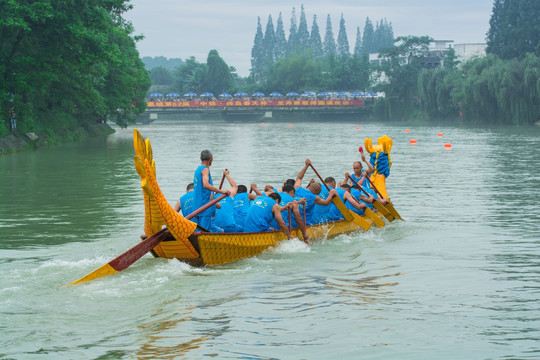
[(369, 213), (377, 204), (388, 205), (349, 216), (124, 260)]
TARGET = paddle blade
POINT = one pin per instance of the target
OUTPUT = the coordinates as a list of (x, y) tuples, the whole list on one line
[(102, 271), (360, 221), (383, 211), (342, 208), (126, 259), (374, 218), (393, 211)]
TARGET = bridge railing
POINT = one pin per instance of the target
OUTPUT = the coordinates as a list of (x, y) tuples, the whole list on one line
[(252, 103)]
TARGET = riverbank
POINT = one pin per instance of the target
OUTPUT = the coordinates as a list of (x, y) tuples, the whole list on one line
[(32, 141)]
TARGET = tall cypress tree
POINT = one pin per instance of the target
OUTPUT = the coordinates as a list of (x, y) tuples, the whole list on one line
[(302, 38), (315, 39), (218, 76), (280, 48), (358, 43), (291, 43), (514, 29), (257, 52), (368, 40), (269, 43), (329, 45), (342, 40)]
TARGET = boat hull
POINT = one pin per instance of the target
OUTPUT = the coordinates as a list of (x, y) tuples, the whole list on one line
[(222, 248)]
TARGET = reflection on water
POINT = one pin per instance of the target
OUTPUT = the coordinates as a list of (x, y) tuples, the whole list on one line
[(457, 279)]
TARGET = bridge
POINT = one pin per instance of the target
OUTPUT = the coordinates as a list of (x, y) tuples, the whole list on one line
[(257, 110)]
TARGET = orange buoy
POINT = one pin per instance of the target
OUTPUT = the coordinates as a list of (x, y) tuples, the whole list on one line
[(412, 141), (291, 125), (440, 134), (447, 145), (358, 127), (262, 123), (407, 130)]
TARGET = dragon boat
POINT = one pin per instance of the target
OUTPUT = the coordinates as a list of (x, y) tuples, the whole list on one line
[(170, 235), (206, 248)]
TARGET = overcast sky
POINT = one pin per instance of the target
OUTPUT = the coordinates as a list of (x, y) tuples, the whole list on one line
[(180, 28)]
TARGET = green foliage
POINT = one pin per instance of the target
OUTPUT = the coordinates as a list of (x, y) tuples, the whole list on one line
[(189, 77), (342, 40), (217, 78), (161, 76), (514, 29), (67, 63), (329, 45)]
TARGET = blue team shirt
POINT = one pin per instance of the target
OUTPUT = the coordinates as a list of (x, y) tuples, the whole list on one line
[(225, 216), (320, 212), (334, 213), (240, 207), (186, 203), (260, 215), (302, 193), (356, 194), (285, 199), (201, 196)]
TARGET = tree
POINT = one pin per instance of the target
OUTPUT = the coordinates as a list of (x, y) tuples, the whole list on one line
[(161, 76), (65, 64), (315, 39), (217, 78), (329, 46), (291, 42), (368, 40), (358, 43), (189, 76), (280, 49), (401, 66), (342, 40), (514, 29), (302, 37), (269, 43), (257, 52)]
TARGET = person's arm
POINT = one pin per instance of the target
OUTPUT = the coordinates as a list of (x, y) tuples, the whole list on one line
[(283, 227), (370, 167), (255, 190), (301, 174), (326, 201), (347, 176), (347, 196), (234, 187), (206, 182)]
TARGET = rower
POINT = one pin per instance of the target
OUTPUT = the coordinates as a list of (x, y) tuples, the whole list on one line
[(224, 218), (185, 202), (310, 193), (263, 210)]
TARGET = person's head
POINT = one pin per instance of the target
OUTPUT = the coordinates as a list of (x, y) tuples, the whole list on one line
[(189, 187), (346, 187), (355, 187), (241, 189), (275, 196), (290, 182), (288, 189), (315, 188), (330, 181), (206, 155), (357, 168)]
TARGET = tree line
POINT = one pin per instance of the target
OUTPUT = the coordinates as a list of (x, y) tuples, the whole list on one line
[(68, 63)]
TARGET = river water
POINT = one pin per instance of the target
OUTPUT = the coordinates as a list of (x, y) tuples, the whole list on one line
[(458, 279)]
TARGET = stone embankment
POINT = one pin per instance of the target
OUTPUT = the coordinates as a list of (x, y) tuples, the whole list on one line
[(31, 141)]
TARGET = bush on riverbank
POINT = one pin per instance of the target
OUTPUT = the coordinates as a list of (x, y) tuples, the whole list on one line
[(31, 141)]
